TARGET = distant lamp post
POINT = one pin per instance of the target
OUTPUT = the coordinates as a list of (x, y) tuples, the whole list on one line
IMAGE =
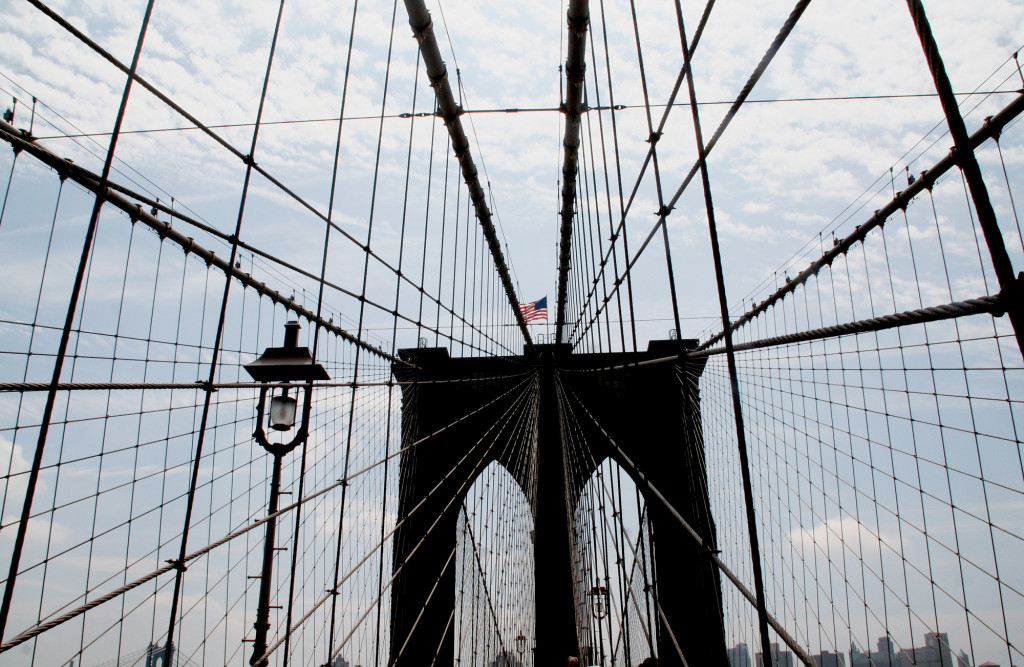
[(521, 644), (599, 601), (288, 364)]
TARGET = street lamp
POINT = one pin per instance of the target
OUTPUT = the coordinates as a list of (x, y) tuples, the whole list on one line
[(599, 601), (521, 644), (286, 365)]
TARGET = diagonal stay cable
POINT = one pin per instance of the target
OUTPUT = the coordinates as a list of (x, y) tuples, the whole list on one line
[(737, 406), (990, 130), (165, 231), (503, 422), (483, 577), (430, 596), (619, 230), (566, 408), (90, 181), (734, 108), (748, 87), (444, 635), (84, 262), (994, 305), (52, 623), (246, 159), (730, 575)]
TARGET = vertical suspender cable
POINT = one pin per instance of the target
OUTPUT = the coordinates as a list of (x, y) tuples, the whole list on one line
[(741, 442), (316, 331), (618, 180), (215, 354), (969, 165), (653, 138), (359, 329), (10, 179), (58, 365), (391, 386)]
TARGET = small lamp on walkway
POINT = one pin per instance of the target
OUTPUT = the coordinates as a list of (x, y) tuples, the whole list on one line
[(599, 601)]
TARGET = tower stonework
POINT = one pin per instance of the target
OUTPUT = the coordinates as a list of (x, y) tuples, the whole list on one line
[(650, 411)]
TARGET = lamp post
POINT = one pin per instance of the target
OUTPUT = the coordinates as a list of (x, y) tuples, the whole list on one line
[(599, 601), (285, 365)]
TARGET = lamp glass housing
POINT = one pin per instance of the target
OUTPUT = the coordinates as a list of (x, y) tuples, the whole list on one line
[(282, 412), (521, 644), (599, 599)]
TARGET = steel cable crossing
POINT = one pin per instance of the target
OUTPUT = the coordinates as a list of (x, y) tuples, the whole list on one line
[(880, 429), (244, 158), (669, 205), (52, 623), (713, 557), (422, 28)]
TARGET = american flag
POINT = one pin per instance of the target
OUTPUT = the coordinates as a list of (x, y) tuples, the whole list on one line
[(535, 310)]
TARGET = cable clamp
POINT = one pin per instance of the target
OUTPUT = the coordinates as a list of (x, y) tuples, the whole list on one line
[(578, 26), (663, 212), (653, 139), (177, 564), (248, 160), (994, 132), (420, 31), (1009, 297)]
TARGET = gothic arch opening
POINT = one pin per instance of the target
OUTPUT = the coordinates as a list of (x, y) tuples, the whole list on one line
[(616, 604), (494, 580)]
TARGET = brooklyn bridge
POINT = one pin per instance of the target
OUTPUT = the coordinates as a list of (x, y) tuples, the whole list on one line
[(674, 332)]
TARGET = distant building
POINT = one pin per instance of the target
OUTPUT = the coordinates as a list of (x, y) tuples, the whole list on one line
[(780, 658), (934, 653), (739, 656), (829, 659), (339, 662)]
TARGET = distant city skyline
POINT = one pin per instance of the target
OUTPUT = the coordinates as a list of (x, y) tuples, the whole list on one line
[(936, 652)]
